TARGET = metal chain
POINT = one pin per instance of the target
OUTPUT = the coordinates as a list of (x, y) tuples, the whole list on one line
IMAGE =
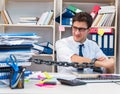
[(64, 64)]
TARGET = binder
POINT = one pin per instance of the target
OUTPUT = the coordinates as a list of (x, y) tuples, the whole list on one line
[(46, 44), (94, 37), (22, 46), (42, 49), (66, 14), (111, 44), (49, 17), (94, 11), (99, 41), (105, 44), (66, 21), (94, 30), (74, 9)]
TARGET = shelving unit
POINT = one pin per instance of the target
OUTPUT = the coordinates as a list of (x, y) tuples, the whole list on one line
[(51, 33), (31, 8), (87, 5)]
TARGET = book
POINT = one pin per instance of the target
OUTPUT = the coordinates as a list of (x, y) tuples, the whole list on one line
[(28, 18), (49, 18), (107, 9), (4, 17), (42, 18), (7, 16), (94, 11), (96, 20)]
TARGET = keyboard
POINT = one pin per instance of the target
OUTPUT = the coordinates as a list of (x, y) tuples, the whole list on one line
[(98, 78)]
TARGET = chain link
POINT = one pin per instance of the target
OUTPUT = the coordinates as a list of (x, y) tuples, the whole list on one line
[(64, 64)]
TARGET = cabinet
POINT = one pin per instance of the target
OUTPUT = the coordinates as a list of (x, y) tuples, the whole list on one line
[(87, 5), (31, 8)]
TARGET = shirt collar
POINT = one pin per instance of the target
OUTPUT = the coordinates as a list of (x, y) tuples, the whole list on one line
[(78, 43)]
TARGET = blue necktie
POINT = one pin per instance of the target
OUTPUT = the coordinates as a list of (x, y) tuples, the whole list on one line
[(80, 54), (80, 50)]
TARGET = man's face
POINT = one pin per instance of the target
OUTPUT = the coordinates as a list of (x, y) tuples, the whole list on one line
[(79, 31)]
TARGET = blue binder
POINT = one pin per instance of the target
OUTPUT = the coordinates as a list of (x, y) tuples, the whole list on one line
[(42, 49), (66, 14), (111, 44)]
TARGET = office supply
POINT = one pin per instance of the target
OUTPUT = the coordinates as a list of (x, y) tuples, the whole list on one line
[(61, 28), (111, 44), (107, 9), (98, 78), (89, 88), (22, 46), (12, 62), (42, 49), (46, 44), (73, 82), (4, 17), (17, 78), (105, 42), (95, 30), (49, 18), (74, 9), (7, 16), (66, 16), (66, 21), (94, 11)]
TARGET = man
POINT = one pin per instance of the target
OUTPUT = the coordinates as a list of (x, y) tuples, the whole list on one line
[(68, 48)]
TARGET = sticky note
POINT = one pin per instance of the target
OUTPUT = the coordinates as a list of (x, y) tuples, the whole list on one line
[(100, 32), (61, 28), (47, 75)]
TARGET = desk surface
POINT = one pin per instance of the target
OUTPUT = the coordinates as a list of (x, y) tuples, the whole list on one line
[(90, 88)]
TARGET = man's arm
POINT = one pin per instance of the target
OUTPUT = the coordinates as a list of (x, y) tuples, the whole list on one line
[(108, 64)]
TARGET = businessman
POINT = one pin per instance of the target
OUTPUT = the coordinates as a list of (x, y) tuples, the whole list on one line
[(68, 49)]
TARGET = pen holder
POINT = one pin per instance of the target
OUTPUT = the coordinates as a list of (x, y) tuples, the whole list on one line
[(17, 79)]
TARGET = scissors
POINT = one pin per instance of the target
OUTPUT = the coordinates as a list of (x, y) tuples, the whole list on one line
[(12, 62)]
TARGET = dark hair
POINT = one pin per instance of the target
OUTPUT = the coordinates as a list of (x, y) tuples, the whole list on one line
[(83, 17)]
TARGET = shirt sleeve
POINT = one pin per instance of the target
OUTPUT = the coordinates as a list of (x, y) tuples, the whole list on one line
[(63, 51), (99, 52)]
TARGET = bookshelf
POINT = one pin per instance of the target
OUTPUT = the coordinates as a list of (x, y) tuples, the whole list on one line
[(30, 8), (87, 5)]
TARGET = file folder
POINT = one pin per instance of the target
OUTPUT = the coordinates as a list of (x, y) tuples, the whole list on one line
[(95, 30), (66, 21), (74, 9), (94, 11), (66, 14)]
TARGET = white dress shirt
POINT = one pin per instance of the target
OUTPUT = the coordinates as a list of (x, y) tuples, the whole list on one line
[(67, 47)]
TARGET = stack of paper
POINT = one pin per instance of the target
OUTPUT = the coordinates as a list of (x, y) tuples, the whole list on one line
[(19, 45)]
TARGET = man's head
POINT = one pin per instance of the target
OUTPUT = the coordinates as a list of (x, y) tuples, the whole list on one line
[(80, 26)]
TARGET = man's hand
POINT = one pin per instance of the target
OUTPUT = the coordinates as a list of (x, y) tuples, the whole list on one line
[(108, 64), (101, 59)]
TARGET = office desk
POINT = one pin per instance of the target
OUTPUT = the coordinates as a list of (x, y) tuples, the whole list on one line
[(90, 88)]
